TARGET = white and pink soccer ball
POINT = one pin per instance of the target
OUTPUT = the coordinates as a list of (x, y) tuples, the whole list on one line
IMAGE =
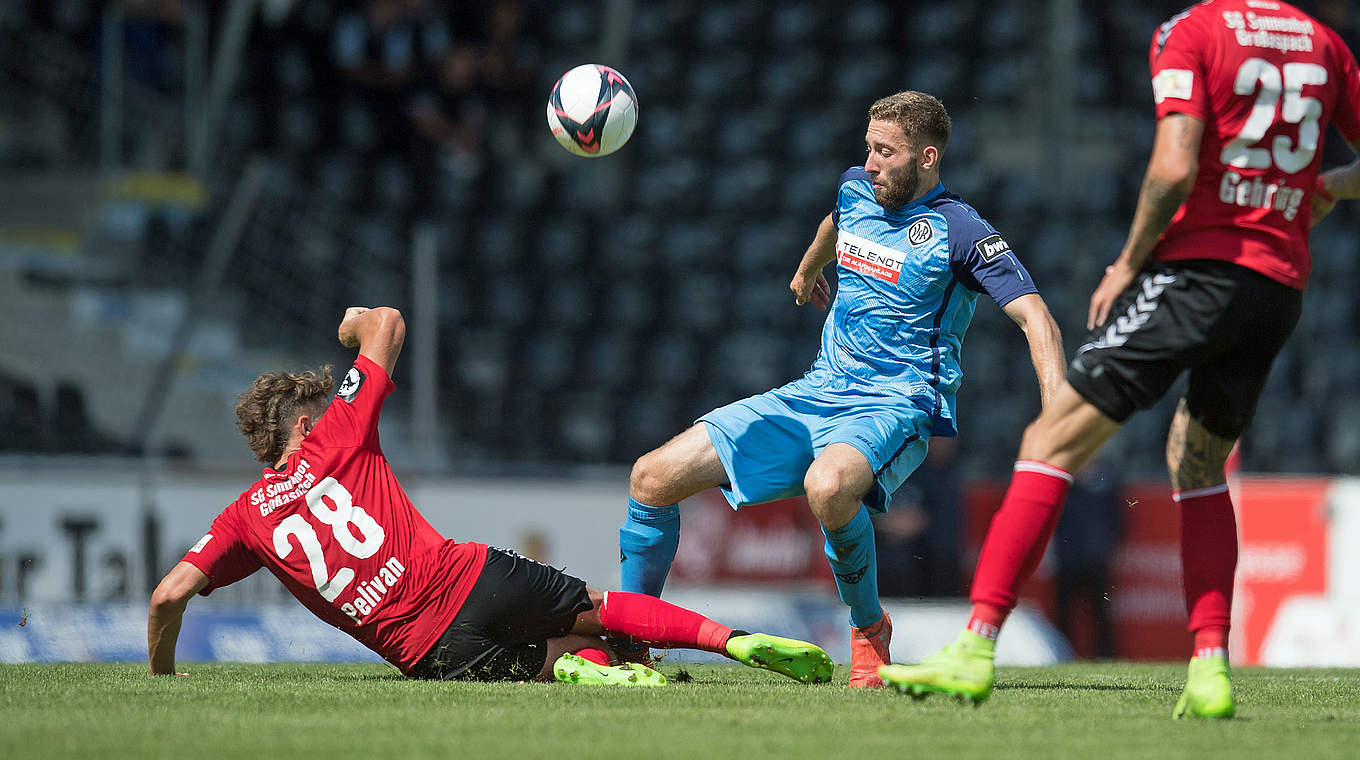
[(592, 110)]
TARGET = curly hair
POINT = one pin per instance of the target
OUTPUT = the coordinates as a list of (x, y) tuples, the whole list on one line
[(266, 411), (921, 116)]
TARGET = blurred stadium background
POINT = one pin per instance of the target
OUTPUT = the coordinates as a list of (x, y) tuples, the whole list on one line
[(193, 191)]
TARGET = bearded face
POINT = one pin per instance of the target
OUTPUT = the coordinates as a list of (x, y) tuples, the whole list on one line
[(892, 164), (899, 185)]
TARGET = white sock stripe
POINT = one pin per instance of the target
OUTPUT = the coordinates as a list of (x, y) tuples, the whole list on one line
[(1029, 465), (1195, 493)]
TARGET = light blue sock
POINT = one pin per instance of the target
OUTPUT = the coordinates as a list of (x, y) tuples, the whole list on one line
[(647, 543), (850, 549)]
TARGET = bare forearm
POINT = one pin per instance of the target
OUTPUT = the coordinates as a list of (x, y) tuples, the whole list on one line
[(363, 326), (162, 634), (822, 251), (378, 333), (1046, 352), (1170, 178), (1157, 204), (1031, 315)]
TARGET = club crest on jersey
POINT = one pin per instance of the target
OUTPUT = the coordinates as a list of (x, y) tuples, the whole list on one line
[(869, 257), (919, 232), (992, 246), (349, 387)]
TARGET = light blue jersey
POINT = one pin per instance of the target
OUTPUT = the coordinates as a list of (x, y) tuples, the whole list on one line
[(888, 371), (908, 282)]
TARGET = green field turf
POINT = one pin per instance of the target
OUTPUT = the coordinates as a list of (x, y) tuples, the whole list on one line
[(1102, 710)]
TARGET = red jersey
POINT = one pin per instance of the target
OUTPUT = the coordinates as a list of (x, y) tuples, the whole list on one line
[(1266, 79), (335, 526)]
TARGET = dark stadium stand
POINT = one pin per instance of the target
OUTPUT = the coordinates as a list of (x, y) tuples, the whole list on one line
[(588, 311)]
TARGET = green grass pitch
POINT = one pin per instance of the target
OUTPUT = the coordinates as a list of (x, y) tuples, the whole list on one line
[(1103, 710)]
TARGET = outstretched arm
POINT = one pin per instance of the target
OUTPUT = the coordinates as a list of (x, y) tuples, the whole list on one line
[(1045, 342), (378, 333), (1170, 178), (167, 612), (1342, 183), (809, 284)]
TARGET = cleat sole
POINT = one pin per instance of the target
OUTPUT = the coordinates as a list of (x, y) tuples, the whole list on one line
[(573, 669), (918, 692)]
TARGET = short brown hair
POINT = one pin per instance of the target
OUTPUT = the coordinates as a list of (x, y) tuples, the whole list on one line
[(266, 411), (921, 116)]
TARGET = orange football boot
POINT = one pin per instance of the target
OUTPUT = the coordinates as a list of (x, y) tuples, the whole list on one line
[(868, 651)]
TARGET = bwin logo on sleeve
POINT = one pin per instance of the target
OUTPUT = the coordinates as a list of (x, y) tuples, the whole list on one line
[(992, 246), (349, 387)]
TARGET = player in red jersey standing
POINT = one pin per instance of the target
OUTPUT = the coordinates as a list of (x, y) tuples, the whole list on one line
[(330, 521), (1210, 281)]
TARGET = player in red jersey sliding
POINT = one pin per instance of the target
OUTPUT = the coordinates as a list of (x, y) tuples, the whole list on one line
[(330, 521), (1209, 281)]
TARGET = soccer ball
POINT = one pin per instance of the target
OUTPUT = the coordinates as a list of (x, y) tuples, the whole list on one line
[(592, 110)]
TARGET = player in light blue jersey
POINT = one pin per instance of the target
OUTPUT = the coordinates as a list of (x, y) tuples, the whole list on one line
[(911, 261)]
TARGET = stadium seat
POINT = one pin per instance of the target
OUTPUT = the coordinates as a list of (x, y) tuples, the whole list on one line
[(721, 81), (748, 185), (791, 76), (866, 23), (864, 76), (719, 25), (797, 24)]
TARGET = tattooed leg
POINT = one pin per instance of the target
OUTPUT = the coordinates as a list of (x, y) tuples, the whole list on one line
[(1194, 456)]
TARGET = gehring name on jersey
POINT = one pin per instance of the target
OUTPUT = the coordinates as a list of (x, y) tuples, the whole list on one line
[(868, 257), (1253, 193)]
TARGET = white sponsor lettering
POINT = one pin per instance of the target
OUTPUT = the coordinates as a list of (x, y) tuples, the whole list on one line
[(1173, 83), (1285, 43), (1288, 24), (992, 246), (274, 495), (1283, 33), (868, 257), (1253, 193)]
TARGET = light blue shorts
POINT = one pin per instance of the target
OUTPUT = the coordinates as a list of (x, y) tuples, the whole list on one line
[(767, 442)]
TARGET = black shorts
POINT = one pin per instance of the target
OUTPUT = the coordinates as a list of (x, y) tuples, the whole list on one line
[(501, 632), (1222, 322)]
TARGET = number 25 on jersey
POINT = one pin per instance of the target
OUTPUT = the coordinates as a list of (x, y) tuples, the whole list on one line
[(1283, 153)]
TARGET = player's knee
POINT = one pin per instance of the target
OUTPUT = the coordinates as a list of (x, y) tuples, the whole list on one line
[(648, 478), (1034, 442), (825, 485)]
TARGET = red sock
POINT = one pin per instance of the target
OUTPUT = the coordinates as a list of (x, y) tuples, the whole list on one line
[(1208, 562), (1015, 542), (595, 655), (661, 624)]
